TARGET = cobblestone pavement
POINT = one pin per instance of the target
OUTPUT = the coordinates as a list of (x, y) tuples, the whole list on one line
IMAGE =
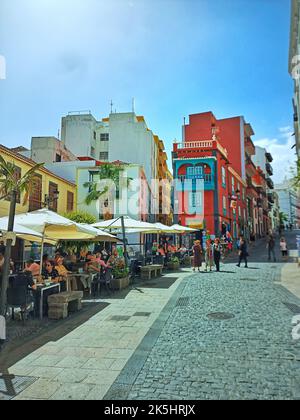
[(251, 355)]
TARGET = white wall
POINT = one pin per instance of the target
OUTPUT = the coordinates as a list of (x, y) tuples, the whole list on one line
[(77, 133), (259, 159), (131, 142)]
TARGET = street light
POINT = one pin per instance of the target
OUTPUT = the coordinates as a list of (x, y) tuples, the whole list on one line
[(51, 199)]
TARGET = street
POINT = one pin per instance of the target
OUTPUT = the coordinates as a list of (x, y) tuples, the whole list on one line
[(224, 335)]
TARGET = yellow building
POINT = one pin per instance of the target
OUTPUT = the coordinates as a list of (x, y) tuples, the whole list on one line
[(164, 175), (46, 185)]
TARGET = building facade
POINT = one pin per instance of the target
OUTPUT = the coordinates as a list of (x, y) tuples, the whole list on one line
[(121, 136), (46, 185), (289, 202), (210, 176), (294, 63)]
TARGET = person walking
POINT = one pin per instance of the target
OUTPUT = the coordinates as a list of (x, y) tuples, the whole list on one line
[(243, 252), (217, 249), (197, 253), (209, 255), (283, 247), (271, 246)]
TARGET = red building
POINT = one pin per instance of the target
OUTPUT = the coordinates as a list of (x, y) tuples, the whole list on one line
[(211, 167)]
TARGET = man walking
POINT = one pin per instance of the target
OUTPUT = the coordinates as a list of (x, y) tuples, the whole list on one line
[(271, 246), (243, 252)]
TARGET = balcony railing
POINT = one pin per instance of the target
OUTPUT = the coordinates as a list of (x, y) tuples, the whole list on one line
[(195, 144), (269, 168), (270, 183), (269, 157), (205, 144)]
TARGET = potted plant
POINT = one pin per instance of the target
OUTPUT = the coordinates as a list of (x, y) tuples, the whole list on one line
[(120, 277), (174, 263)]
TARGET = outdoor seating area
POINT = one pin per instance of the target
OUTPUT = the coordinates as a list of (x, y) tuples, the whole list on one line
[(77, 261)]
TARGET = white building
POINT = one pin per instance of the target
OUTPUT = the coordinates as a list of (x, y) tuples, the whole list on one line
[(294, 61), (121, 136), (46, 150), (132, 198), (289, 202)]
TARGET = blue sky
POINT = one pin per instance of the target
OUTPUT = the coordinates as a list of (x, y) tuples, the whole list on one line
[(176, 57)]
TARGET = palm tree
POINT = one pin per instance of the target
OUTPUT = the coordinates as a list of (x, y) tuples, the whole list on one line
[(11, 187), (282, 218), (106, 171)]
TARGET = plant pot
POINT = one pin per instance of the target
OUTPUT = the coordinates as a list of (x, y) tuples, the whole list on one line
[(119, 284)]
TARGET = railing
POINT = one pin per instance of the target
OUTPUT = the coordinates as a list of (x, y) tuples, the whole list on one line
[(206, 177), (269, 168), (194, 144), (205, 144)]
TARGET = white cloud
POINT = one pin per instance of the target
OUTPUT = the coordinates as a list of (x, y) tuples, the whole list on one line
[(282, 152)]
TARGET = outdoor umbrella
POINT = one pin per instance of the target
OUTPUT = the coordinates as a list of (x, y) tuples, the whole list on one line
[(100, 235), (183, 229), (55, 227), (22, 232), (132, 225)]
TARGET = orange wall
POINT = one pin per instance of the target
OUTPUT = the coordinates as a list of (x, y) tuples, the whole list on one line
[(230, 138), (199, 127)]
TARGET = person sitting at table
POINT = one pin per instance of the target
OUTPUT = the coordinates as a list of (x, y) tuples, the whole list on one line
[(100, 260), (92, 267), (32, 267), (182, 250), (104, 254), (50, 272), (63, 274), (83, 254), (114, 258), (45, 260)]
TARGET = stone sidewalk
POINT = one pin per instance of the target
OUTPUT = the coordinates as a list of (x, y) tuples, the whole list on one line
[(290, 278), (86, 362)]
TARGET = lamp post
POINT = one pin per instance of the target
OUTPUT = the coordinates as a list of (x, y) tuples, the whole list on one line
[(51, 199), (232, 205)]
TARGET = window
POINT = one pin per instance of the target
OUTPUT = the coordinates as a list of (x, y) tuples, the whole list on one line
[(103, 156), (95, 136), (194, 171), (53, 188), (195, 200), (57, 158), (70, 201), (243, 194), (93, 151), (224, 203), (35, 198), (232, 186), (240, 214), (104, 137), (223, 177)]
